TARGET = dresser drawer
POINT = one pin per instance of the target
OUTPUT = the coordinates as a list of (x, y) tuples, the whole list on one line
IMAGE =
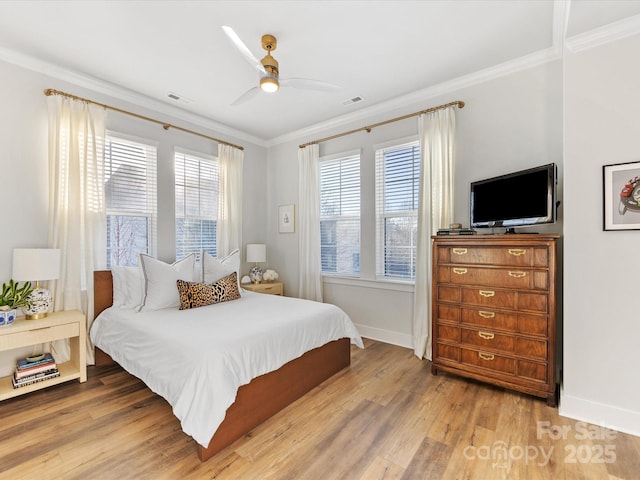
[(488, 360), (488, 339), (510, 299), (489, 318), (489, 297), (504, 320), (519, 256), (498, 277)]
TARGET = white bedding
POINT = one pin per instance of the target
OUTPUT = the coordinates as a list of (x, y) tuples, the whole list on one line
[(197, 359)]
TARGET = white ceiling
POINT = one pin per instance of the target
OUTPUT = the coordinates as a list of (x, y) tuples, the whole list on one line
[(380, 50)]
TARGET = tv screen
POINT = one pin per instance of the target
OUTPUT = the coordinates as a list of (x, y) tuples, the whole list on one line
[(523, 198)]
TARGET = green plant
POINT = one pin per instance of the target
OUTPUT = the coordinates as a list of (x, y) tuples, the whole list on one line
[(15, 296)]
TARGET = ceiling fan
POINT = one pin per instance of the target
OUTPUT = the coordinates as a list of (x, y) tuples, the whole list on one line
[(270, 79)]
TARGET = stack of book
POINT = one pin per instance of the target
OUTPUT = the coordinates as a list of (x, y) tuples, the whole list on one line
[(34, 369), (456, 231)]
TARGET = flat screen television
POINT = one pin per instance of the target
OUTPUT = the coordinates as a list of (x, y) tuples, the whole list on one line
[(518, 199)]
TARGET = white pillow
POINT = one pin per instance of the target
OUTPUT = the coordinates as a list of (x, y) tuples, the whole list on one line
[(160, 288), (213, 269), (128, 286)]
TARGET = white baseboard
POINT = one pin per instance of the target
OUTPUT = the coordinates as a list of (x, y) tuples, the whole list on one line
[(615, 418), (386, 336)]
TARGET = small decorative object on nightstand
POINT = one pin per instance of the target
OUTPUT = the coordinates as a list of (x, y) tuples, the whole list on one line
[(272, 288), (37, 264), (270, 275), (256, 253)]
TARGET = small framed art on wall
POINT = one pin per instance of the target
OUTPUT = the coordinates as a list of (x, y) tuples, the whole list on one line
[(621, 196), (286, 219)]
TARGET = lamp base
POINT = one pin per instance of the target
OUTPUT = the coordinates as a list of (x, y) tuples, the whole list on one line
[(40, 301), (255, 274)]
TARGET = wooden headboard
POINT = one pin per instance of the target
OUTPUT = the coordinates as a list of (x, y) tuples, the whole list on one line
[(102, 299), (102, 291)]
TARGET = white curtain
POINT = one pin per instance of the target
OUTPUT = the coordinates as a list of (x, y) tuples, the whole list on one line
[(229, 228), (310, 268), (435, 210), (77, 213)]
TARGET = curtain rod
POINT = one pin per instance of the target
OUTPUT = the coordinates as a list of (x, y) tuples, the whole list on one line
[(368, 128), (50, 91)]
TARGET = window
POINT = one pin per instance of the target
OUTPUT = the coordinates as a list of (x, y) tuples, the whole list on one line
[(340, 215), (397, 190), (130, 194), (196, 203)]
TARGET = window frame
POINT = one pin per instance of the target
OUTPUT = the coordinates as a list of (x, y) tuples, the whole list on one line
[(332, 158), (201, 157), (151, 191), (381, 215)]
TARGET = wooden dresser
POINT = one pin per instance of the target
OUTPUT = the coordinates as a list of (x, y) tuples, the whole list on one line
[(494, 310)]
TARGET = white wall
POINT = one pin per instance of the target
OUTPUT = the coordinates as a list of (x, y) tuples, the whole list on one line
[(601, 325), (24, 167), (508, 124)]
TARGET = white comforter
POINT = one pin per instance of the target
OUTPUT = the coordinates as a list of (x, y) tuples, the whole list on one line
[(197, 359)]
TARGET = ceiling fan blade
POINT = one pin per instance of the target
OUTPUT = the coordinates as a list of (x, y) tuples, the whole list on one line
[(246, 96), (242, 48), (309, 84)]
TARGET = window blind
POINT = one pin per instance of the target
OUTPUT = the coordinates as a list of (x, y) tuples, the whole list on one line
[(340, 215), (397, 190), (130, 196), (196, 193)]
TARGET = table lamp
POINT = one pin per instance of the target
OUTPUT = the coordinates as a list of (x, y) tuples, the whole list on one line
[(256, 253), (36, 264)]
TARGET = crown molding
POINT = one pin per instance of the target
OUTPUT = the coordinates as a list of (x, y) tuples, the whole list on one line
[(605, 34), (123, 94), (507, 68)]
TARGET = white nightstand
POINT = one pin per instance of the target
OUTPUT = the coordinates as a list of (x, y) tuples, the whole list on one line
[(70, 324), (272, 288)]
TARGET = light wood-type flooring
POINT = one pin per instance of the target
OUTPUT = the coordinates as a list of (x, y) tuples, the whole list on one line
[(385, 417)]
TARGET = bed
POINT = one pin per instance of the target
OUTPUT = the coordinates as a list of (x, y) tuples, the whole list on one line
[(150, 345)]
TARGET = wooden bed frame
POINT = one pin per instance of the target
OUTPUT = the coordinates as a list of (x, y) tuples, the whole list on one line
[(264, 396)]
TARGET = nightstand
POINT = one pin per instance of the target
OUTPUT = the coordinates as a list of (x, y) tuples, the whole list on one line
[(272, 288), (69, 324)]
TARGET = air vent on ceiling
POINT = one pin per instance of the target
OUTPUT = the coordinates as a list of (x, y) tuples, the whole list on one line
[(179, 98), (350, 101)]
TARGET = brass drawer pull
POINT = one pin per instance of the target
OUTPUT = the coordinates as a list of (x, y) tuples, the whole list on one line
[(459, 251), (486, 335), (484, 314), (459, 271), (486, 356), (517, 274), (487, 293), (516, 252)]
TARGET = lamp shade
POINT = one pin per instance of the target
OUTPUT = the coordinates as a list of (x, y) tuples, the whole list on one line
[(31, 264), (256, 253)]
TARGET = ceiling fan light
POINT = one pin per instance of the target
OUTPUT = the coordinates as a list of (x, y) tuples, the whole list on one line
[(269, 84)]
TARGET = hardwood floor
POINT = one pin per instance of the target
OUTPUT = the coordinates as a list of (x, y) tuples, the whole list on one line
[(386, 417)]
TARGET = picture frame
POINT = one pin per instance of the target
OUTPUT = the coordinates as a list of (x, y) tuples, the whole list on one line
[(286, 219), (621, 196)]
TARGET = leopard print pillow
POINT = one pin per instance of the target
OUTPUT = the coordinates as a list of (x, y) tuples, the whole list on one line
[(194, 295)]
